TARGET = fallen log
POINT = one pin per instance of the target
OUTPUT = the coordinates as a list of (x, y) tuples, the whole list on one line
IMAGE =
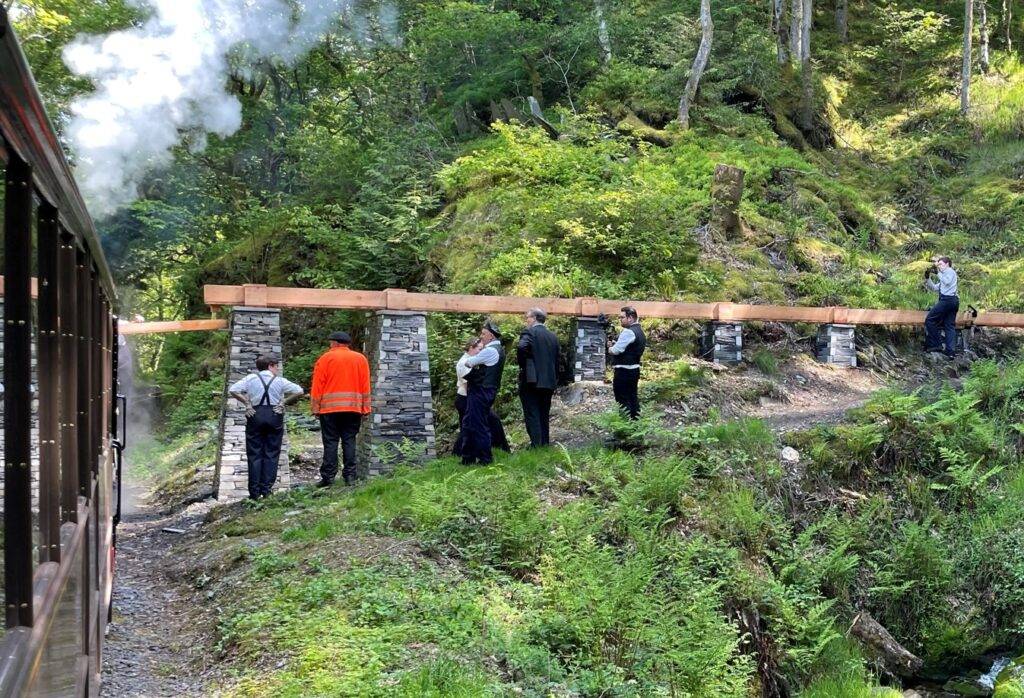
[(887, 651)]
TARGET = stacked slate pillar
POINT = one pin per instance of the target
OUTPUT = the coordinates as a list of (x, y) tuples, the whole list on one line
[(722, 342), (837, 344), (591, 346), (255, 331), (400, 428)]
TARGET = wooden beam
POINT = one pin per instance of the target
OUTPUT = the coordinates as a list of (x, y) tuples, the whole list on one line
[(127, 328), (401, 300)]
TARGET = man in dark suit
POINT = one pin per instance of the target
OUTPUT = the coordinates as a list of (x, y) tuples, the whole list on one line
[(537, 355)]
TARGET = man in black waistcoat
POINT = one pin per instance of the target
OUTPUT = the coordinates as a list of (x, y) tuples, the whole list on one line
[(626, 352), (483, 383), (537, 355)]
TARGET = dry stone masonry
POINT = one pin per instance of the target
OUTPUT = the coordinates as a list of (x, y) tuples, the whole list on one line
[(591, 340), (400, 427), (254, 332), (722, 342), (837, 344)]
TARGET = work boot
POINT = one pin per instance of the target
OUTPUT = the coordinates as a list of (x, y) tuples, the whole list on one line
[(325, 483)]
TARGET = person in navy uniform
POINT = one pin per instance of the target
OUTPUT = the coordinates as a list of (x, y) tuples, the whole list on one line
[(264, 395), (626, 352), (537, 356), (483, 382)]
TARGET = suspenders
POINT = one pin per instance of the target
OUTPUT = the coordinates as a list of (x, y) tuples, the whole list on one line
[(265, 400)]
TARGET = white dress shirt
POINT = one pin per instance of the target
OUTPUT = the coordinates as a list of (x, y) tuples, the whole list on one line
[(626, 337), (461, 371), (253, 387)]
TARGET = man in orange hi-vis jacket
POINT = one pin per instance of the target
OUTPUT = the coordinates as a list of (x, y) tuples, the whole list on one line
[(340, 396)]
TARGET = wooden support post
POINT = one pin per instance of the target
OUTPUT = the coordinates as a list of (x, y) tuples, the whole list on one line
[(68, 296), (17, 392), (47, 356)]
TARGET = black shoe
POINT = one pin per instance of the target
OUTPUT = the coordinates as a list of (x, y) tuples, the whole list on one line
[(325, 483)]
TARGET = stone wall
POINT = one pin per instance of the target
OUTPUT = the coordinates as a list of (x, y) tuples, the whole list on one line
[(837, 344), (722, 342), (254, 332), (591, 345), (401, 424)]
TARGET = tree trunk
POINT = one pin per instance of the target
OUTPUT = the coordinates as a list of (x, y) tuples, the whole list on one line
[(880, 643), (842, 20), (983, 35), (699, 63), (726, 194), (780, 30), (602, 32), (965, 71), (807, 100), (1007, 23), (795, 22)]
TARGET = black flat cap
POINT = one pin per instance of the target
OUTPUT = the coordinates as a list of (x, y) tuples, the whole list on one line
[(493, 329), (341, 337)]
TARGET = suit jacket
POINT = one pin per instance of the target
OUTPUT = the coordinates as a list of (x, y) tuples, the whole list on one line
[(537, 355)]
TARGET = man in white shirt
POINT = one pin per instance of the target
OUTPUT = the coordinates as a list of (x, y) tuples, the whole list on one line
[(264, 395), (484, 381), (626, 352), (941, 318)]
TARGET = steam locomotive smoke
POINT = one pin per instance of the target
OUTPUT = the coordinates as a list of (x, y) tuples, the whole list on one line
[(164, 81)]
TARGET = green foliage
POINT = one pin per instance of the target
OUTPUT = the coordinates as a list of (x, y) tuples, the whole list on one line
[(200, 402), (766, 362)]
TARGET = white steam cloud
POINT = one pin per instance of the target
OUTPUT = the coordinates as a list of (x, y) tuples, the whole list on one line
[(164, 82)]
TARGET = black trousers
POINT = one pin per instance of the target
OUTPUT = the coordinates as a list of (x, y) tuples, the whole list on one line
[(264, 432), (624, 386), (536, 412), (476, 426), (941, 320), (343, 426), (498, 438)]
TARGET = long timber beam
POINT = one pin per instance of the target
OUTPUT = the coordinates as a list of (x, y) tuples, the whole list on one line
[(257, 295)]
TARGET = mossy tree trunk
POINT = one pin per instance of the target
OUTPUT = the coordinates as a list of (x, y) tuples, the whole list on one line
[(700, 62), (965, 70), (1007, 24), (780, 30), (983, 57), (603, 38), (806, 79), (843, 20), (795, 15)]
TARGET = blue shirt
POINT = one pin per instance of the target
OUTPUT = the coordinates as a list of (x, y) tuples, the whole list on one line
[(253, 387), (947, 285), (488, 356)]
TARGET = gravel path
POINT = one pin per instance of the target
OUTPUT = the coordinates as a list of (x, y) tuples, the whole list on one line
[(152, 648)]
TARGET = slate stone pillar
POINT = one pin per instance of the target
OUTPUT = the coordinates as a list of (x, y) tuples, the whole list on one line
[(722, 342), (837, 344), (254, 331), (591, 343), (400, 428)]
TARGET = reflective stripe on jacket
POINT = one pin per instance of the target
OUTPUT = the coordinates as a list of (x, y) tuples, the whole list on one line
[(341, 382)]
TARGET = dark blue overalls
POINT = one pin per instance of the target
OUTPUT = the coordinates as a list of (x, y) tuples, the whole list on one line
[(264, 432)]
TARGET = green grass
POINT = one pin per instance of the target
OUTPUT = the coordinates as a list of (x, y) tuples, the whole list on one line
[(611, 572)]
